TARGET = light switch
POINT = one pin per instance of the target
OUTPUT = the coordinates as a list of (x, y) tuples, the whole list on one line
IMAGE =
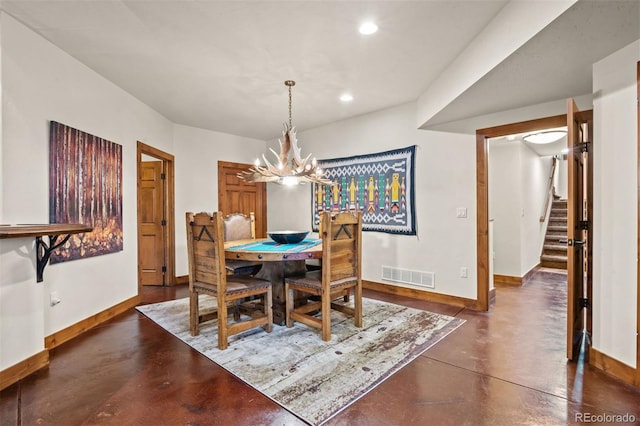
[(461, 212)]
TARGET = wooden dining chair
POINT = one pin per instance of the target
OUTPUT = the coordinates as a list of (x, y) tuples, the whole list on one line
[(238, 226), (341, 264), (207, 275)]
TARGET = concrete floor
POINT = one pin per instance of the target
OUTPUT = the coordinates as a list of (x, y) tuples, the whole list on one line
[(503, 367)]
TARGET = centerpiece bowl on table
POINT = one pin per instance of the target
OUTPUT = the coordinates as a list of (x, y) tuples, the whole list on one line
[(288, 237)]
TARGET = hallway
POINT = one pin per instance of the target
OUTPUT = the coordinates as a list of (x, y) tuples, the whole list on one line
[(504, 367)]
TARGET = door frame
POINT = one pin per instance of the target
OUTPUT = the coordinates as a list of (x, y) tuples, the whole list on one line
[(482, 192), (638, 220), (168, 237)]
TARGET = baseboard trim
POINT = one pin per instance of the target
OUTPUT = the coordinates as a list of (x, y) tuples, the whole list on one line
[(64, 335), (422, 295), (22, 369), (514, 281), (182, 279), (507, 280), (613, 367), (32, 364), (492, 296), (531, 272)]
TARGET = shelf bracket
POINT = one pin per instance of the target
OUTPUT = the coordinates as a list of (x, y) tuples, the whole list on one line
[(54, 231), (44, 250)]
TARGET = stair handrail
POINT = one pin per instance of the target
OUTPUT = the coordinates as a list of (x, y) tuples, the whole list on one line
[(547, 199)]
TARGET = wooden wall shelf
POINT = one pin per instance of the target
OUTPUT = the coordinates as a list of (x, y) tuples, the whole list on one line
[(43, 250)]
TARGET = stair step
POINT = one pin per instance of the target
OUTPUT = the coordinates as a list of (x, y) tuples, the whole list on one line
[(557, 228), (558, 212), (559, 241), (554, 252), (556, 247), (553, 264), (553, 258)]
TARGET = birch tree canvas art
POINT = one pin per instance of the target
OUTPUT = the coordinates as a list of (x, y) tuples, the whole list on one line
[(85, 186)]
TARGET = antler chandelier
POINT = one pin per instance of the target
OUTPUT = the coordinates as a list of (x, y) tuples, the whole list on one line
[(291, 168)]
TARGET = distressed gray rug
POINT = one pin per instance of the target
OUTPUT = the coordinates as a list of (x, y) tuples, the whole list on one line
[(315, 379)]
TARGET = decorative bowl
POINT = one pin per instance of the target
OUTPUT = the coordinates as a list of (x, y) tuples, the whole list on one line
[(288, 237)]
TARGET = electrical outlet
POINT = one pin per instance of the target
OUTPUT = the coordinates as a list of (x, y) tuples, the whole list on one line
[(54, 299), (464, 272)]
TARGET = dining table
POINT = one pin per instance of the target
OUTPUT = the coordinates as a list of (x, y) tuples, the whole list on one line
[(279, 261)]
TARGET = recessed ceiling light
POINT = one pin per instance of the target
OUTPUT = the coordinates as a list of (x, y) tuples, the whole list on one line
[(346, 97), (368, 28)]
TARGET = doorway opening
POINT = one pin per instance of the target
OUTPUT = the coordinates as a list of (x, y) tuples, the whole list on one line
[(528, 204), (578, 276), (155, 216)]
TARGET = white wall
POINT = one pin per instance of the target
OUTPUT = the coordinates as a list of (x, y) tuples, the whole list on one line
[(41, 83), (560, 179), (615, 213), (445, 179), (505, 200), (518, 180), (197, 152), (534, 181)]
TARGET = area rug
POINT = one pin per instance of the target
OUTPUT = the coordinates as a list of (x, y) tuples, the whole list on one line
[(314, 380)]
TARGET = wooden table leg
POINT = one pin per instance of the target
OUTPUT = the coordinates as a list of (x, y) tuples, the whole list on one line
[(275, 272)]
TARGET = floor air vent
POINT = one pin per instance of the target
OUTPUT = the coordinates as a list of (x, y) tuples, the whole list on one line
[(406, 276)]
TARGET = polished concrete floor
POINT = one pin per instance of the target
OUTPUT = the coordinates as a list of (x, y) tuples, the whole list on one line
[(504, 367)]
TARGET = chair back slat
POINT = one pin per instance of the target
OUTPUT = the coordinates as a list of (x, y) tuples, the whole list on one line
[(341, 245), (206, 250)]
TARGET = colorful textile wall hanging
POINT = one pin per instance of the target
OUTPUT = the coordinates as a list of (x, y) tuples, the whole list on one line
[(85, 186), (380, 185)]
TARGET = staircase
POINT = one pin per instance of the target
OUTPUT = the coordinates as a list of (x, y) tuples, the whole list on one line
[(554, 251)]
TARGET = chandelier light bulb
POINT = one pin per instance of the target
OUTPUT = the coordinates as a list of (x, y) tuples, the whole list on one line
[(289, 180)]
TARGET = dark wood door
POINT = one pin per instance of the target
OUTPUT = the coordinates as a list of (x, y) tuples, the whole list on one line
[(579, 223), (151, 221), (239, 196)]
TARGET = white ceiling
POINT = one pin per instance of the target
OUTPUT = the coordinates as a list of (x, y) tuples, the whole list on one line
[(221, 65)]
